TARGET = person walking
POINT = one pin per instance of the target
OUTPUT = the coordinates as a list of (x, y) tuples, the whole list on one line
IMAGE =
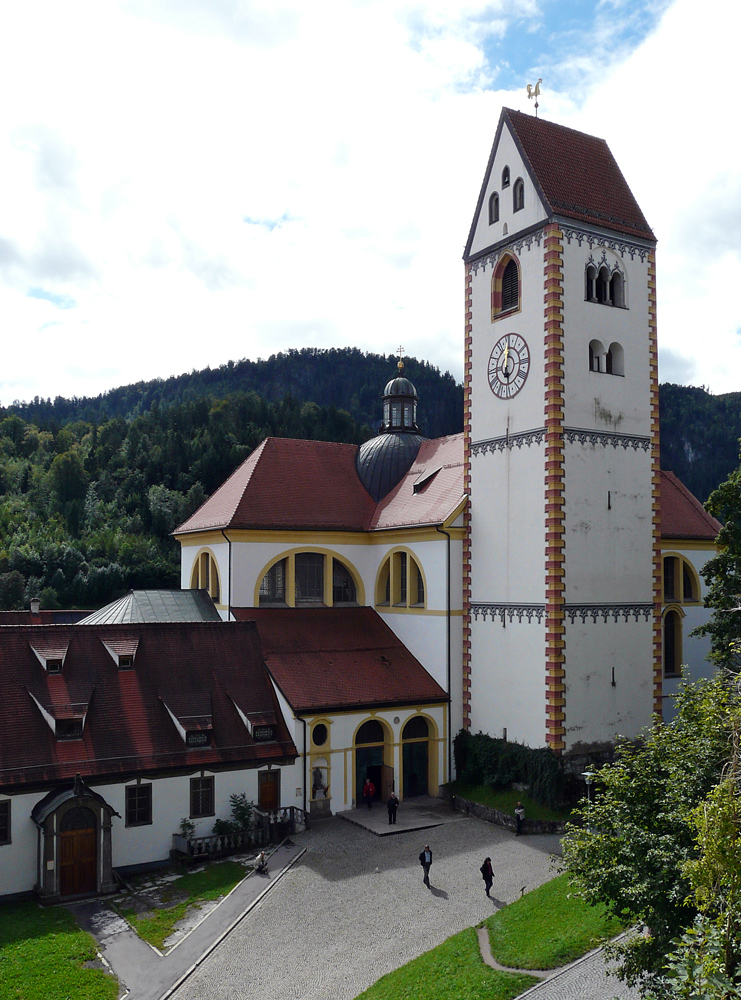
[(369, 790), (519, 817), (487, 873), (425, 859), (392, 805)]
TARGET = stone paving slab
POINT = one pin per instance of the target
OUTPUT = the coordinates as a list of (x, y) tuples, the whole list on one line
[(586, 979), (354, 908)]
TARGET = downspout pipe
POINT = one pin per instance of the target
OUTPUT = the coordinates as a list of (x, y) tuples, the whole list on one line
[(303, 721), (447, 620), (229, 574)]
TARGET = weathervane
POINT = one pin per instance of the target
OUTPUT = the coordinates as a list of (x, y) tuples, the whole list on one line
[(534, 92), (400, 351)]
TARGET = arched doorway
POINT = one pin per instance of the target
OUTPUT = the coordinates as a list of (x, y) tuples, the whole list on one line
[(77, 872), (415, 756), (370, 742), (74, 826)]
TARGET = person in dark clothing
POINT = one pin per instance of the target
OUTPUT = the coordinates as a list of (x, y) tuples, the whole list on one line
[(487, 873), (392, 805), (519, 817), (425, 859)]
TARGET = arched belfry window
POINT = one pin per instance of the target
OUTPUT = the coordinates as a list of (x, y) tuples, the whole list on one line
[(505, 177), (605, 284), (615, 360), (596, 356), (518, 195), (505, 286), (493, 209)]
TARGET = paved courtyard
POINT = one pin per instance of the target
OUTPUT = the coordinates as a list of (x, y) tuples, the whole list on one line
[(354, 908)]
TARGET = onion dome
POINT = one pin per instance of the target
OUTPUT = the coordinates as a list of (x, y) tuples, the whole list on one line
[(386, 459)]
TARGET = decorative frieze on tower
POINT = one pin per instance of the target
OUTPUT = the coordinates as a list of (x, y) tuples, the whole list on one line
[(561, 425)]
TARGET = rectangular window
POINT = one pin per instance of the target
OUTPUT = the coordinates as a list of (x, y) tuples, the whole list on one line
[(54, 666), (402, 578), (5, 822), (201, 797), (68, 729), (198, 738), (309, 578), (138, 805), (669, 579)]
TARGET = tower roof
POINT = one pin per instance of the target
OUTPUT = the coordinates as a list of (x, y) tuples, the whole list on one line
[(576, 176)]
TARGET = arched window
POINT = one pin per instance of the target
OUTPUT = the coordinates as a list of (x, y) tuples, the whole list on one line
[(273, 586), (416, 729), (617, 289), (493, 209), (343, 585), (596, 356), (505, 286), (681, 584), (505, 177), (615, 360), (370, 732), (672, 643), (307, 578), (400, 582), (205, 576), (518, 195), (603, 286), (591, 283)]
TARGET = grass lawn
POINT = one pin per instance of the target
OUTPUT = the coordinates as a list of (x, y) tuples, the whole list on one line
[(452, 971), (546, 928), (185, 892), (505, 799), (42, 956)]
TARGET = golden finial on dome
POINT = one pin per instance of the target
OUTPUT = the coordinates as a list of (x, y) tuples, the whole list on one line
[(400, 363)]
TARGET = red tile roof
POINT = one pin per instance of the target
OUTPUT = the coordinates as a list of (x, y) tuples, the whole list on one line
[(576, 175), (198, 669), (682, 514), (296, 485), (287, 483), (430, 491), (339, 658)]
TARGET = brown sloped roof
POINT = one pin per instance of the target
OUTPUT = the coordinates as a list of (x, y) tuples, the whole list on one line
[(576, 175), (292, 484), (287, 483), (194, 668), (339, 658), (430, 491), (682, 514)]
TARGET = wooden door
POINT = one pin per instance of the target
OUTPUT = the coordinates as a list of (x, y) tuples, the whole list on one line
[(77, 862), (269, 790), (387, 781)]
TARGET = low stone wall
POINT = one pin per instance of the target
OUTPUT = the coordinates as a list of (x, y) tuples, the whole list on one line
[(499, 818)]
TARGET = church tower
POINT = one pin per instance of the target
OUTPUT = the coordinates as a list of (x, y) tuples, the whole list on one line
[(562, 631)]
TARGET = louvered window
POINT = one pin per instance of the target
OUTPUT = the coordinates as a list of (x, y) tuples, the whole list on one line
[(510, 290)]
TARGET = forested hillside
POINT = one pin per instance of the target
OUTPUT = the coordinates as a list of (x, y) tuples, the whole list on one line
[(90, 489), (699, 436)]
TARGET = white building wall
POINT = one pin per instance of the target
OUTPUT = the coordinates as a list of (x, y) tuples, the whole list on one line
[(18, 859)]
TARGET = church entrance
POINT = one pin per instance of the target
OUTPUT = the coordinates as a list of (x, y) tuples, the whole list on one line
[(415, 757), (369, 762), (77, 855)]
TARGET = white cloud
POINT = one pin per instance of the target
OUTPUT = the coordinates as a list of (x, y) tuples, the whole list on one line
[(224, 180)]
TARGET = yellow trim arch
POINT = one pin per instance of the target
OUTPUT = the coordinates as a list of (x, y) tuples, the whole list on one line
[(290, 582), (204, 574), (400, 590)]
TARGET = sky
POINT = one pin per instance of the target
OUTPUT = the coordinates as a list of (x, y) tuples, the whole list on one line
[(188, 182)]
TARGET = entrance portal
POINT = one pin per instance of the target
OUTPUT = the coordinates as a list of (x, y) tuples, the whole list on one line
[(77, 854), (369, 753)]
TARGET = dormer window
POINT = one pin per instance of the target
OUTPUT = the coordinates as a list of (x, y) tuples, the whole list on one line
[(263, 734), (68, 729), (54, 666), (196, 738), (126, 663), (505, 177)]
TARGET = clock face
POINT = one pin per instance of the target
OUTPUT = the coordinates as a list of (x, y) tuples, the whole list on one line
[(509, 365)]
